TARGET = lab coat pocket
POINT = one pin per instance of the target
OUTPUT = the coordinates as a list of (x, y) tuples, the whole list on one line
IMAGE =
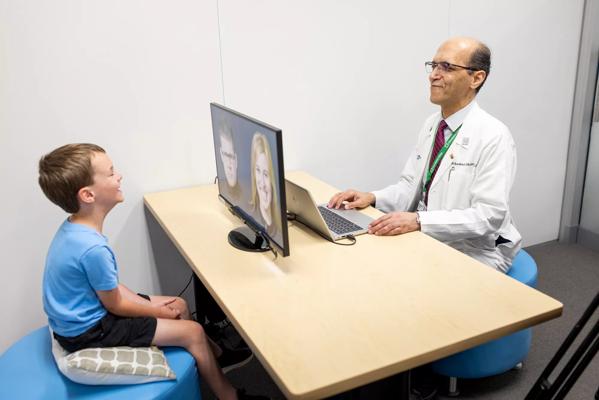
[(459, 183)]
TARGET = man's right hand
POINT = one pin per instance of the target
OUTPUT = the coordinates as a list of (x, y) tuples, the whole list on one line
[(351, 199)]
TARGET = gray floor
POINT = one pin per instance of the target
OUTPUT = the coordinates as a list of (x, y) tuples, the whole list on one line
[(569, 273)]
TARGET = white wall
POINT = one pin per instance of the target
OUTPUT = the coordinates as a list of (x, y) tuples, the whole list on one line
[(531, 89), (136, 77), (352, 78)]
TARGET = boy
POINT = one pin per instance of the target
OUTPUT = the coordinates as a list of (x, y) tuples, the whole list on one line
[(85, 303)]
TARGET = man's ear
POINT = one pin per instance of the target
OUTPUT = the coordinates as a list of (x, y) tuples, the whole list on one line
[(86, 195), (478, 77)]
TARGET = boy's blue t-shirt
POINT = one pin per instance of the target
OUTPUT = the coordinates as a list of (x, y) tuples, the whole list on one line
[(78, 263)]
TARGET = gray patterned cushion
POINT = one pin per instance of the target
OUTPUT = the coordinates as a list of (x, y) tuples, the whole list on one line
[(113, 365)]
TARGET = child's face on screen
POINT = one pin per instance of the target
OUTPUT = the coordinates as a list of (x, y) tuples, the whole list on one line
[(262, 173)]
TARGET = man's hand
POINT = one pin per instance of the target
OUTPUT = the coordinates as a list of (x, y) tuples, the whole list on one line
[(394, 223), (352, 198)]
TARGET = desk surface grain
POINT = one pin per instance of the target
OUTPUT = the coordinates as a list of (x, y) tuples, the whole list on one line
[(330, 318)]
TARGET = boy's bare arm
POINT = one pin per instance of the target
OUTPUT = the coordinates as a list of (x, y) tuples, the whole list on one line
[(120, 305), (131, 295)]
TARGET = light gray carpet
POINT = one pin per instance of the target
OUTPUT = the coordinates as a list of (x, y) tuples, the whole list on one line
[(568, 273)]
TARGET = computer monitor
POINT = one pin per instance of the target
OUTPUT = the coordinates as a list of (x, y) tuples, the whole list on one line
[(251, 179)]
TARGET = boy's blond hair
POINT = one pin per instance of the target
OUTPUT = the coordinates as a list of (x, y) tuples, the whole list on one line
[(64, 171)]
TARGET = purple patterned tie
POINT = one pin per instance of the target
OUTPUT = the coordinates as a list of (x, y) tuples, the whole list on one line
[(439, 142)]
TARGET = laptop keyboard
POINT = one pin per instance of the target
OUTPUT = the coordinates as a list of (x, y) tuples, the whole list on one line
[(337, 223)]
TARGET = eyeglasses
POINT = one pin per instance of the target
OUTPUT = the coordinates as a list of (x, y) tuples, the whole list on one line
[(444, 66), (228, 155)]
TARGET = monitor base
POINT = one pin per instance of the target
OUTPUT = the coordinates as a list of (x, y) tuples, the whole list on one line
[(246, 239)]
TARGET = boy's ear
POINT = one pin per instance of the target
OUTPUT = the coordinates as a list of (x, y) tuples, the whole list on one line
[(86, 195)]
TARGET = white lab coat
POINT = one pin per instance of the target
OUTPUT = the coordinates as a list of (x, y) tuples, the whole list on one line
[(468, 204)]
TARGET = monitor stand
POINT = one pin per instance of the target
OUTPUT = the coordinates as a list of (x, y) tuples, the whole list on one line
[(246, 239)]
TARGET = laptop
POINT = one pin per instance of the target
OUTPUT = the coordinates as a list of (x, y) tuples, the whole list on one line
[(331, 223)]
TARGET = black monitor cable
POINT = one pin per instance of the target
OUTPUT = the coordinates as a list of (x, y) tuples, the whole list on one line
[(351, 238), (192, 314), (186, 286)]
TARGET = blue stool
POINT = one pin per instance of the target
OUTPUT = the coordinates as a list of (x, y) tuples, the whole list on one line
[(497, 356), (28, 371)]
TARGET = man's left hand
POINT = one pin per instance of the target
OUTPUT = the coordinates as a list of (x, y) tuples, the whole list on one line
[(394, 223)]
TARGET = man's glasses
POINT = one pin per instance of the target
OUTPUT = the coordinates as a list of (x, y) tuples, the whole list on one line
[(228, 156), (444, 66)]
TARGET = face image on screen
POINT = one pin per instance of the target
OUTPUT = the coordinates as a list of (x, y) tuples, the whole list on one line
[(249, 163)]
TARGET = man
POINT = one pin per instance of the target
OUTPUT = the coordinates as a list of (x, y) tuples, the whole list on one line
[(229, 161), (455, 186)]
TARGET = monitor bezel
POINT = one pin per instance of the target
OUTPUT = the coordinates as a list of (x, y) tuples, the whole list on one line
[(235, 209)]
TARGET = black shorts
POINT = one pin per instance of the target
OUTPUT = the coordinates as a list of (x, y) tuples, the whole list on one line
[(113, 330)]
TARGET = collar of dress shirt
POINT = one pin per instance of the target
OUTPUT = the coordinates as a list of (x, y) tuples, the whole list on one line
[(456, 119)]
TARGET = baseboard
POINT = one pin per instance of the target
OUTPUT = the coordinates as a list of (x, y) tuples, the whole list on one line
[(534, 246)]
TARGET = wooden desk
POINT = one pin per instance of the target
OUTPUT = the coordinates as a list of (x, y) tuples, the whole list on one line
[(330, 318)]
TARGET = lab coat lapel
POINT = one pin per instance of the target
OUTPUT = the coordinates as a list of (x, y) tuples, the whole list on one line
[(427, 144), (460, 144), (426, 147)]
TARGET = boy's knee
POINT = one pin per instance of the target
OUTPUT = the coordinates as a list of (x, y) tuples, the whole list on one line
[(181, 303), (196, 332)]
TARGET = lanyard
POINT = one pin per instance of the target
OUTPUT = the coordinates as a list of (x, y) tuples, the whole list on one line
[(431, 170)]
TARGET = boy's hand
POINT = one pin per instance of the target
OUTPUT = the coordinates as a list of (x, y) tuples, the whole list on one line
[(167, 312), (119, 305)]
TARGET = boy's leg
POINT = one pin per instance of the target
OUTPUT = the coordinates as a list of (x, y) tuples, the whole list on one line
[(181, 305), (213, 319), (191, 336)]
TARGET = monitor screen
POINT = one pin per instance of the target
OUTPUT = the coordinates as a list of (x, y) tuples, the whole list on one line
[(251, 178)]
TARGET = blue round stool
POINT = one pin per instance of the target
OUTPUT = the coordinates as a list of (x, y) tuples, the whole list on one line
[(28, 372), (496, 356)]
